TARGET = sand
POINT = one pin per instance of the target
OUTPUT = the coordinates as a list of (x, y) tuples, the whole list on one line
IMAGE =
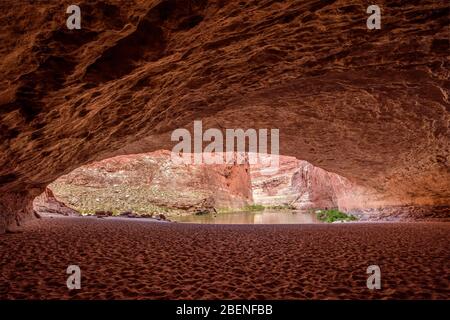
[(133, 259)]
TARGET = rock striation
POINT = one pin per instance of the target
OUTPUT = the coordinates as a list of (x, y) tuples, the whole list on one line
[(152, 183), (47, 204), (297, 184)]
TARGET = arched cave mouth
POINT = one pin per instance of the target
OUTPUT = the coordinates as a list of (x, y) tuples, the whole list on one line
[(153, 185)]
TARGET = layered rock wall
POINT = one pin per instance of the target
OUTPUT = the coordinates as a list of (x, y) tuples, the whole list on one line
[(296, 184), (152, 182)]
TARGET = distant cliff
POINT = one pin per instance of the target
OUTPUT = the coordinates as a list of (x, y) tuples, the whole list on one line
[(151, 182), (297, 184)]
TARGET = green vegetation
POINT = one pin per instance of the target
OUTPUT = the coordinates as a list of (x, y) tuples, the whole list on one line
[(251, 207), (282, 207), (334, 215), (139, 199), (254, 207), (226, 210)]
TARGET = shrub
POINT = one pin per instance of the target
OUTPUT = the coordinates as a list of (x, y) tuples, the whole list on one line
[(334, 215), (254, 207), (285, 206)]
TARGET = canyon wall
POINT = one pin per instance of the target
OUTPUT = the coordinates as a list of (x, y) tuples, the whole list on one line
[(369, 105), (152, 182), (297, 184)]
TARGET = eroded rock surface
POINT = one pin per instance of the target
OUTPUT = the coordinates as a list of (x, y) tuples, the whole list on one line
[(153, 183), (369, 105), (297, 184), (46, 203)]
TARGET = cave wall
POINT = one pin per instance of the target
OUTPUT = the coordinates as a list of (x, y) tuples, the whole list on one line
[(15, 209), (369, 105), (46, 204)]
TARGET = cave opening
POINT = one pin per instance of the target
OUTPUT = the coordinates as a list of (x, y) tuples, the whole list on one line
[(153, 185)]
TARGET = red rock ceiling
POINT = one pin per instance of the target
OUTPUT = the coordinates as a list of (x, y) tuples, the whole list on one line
[(371, 105)]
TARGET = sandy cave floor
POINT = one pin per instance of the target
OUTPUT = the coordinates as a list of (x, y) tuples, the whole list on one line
[(132, 259)]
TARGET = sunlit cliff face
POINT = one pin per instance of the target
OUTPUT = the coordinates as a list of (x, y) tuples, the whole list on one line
[(369, 105), (154, 182)]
